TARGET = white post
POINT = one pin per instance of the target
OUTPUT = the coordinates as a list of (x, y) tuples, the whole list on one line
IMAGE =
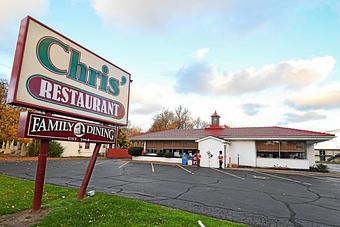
[(23, 149), (7, 148), (11, 148)]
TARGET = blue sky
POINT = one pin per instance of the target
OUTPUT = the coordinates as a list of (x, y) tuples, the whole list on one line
[(257, 63)]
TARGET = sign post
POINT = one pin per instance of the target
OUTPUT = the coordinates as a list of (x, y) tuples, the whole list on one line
[(88, 173), (40, 176), (52, 73)]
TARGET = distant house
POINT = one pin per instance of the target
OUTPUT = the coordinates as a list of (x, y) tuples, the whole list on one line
[(329, 150), (80, 149), (247, 146)]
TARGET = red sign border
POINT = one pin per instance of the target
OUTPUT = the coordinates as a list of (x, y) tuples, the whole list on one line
[(16, 70), (24, 126)]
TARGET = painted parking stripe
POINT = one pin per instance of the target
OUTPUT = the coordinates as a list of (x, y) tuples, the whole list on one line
[(185, 169), (230, 174), (284, 178), (152, 168), (103, 162), (124, 164)]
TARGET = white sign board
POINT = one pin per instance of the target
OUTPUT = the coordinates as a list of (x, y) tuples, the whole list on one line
[(55, 74)]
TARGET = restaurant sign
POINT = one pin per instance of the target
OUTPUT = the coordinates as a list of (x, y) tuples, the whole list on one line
[(53, 73), (34, 125)]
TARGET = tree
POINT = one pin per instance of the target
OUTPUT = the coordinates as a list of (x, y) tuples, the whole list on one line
[(122, 139), (163, 121), (133, 130), (198, 123), (180, 119), (9, 116), (54, 148), (3, 91), (183, 119)]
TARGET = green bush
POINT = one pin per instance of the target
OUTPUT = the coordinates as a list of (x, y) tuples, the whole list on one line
[(135, 151), (54, 148), (165, 154), (168, 154), (33, 148), (320, 168)]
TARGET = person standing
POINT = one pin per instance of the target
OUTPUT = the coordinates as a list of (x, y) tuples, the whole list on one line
[(220, 159), (194, 159), (198, 157)]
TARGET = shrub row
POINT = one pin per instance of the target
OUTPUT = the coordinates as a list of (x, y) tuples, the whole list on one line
[(54, 148)]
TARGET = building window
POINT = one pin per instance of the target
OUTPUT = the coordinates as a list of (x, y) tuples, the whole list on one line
[(322, 155), (87, 145), (281, 149), (267, 154)]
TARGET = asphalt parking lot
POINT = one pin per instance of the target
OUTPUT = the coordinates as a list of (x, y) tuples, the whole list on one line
[(252, 197)]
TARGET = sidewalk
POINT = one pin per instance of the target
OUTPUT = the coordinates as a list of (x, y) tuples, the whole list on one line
[(290, 172)]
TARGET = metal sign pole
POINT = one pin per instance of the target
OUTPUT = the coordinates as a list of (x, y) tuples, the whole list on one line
[(40, 176), (89, 171)]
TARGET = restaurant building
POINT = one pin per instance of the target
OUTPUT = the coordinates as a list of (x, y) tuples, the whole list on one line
[(275, 146), (329, 151)]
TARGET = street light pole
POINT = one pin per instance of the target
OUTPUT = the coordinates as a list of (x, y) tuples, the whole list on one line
[(278, 142)]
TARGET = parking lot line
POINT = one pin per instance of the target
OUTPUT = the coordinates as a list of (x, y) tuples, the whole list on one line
[(185, 169), (103, 162), (152, 168), (123, 164), (283, 178), (230, 174)]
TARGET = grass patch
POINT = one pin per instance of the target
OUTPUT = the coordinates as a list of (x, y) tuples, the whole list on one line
[(100, 210)]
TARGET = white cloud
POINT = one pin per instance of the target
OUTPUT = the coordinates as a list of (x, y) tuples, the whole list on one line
[(251, 109), (201, 53), (234, 15), (14, 10), (11, 13), (201, 77), (153, 13), (302, 117), (147, 99), (317, 97), (195, 78)]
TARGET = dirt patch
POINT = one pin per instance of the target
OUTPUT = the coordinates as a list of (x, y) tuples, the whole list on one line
[(23, 218)]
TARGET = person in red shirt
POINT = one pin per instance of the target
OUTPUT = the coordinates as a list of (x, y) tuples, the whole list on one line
[(198, 156), (194, 159), (220, 159)]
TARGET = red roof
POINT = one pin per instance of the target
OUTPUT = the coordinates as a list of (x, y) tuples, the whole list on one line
[(229, 133), (215, 114)]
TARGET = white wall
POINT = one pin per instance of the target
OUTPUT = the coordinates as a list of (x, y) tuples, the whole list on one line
[(330, 144), (310, 153), (214, 146), (72, 149), (157, 159), (246, 150), (284, 163)]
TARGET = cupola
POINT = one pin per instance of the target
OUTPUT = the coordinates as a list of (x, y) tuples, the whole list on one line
[(215, 120)]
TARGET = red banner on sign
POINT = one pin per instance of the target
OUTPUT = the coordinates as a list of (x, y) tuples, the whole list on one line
[(34, 125)]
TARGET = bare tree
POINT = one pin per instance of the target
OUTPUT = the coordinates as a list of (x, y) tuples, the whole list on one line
[(3, 91), (199, 123), (183, 119)]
